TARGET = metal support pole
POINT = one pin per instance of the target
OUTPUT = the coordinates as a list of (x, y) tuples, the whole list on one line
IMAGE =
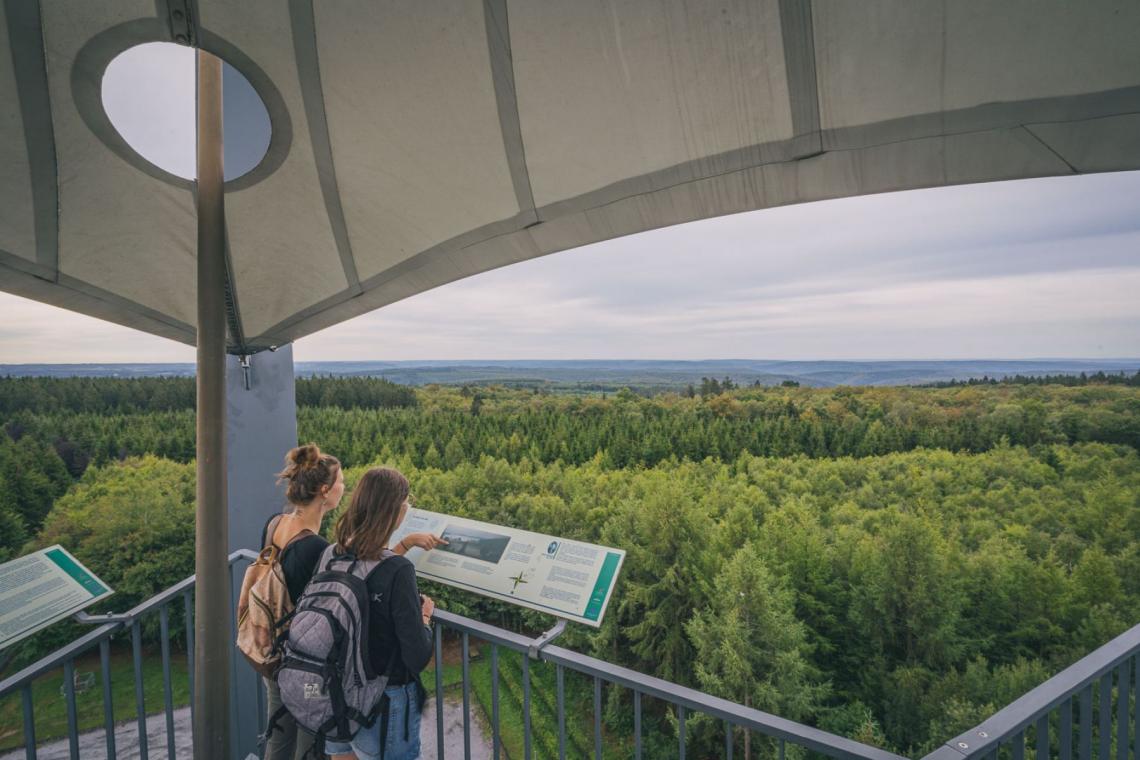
[(212, 600)]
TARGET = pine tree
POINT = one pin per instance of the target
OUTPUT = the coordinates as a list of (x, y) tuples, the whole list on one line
[(750, 648)]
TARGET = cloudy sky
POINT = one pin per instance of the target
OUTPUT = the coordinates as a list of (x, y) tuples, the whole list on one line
[(1029, 269), (1041, 268)]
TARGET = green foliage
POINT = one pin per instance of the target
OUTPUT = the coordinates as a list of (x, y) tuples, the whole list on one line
[(910, 559), (749, 646), (626, 430), (902, 571), (132, 523), (31, 478), (1096, 378), (143, 395)]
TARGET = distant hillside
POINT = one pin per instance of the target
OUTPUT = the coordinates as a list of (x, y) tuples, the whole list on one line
[(613, 374)]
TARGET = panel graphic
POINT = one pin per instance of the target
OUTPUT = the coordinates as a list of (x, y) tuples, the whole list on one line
[(42, 588), (566, 578)]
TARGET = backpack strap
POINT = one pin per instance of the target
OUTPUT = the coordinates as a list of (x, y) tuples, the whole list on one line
[(330, 556), (270, 529), (274, 719), (270, 553)]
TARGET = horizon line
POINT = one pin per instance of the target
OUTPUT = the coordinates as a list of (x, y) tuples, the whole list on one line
[(674, 360)]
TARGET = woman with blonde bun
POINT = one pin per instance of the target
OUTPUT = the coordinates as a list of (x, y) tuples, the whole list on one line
[(314, 485)]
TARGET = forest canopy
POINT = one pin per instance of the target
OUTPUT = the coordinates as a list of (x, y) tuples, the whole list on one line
[(892, 564)]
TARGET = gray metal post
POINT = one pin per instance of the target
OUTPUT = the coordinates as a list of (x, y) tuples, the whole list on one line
[(212, 600), (261, 425)]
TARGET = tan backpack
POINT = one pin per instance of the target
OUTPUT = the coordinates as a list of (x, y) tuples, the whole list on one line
[(264, 606)]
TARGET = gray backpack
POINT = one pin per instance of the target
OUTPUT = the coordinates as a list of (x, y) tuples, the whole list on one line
[(327, 681)]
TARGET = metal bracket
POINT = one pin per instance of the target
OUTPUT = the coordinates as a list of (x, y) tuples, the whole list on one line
[(182, 24), (536, 646), (83, 617), (246, 369)]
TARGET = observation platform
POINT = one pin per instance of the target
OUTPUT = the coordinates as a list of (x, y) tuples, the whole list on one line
[(414, 144), (1088, 710)]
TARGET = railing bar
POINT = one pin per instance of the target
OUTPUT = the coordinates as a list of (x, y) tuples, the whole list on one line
[(681, 732), (235, 665), (465, 659), (72, 718), (527, 747), (636, 724), (188, 604), (167, 694), (439, 747), (782, 749), (1136, 708), (29, 722), (161, 598), (1066, 739), (80, 645), (1044, 698), (1104, 706), (1041, 737), (560, 689), (1017, 745), (496, 740), (140, 697), (728, 740), (597, 718), (1122, 712), (770, 725), (1085, 739), (108, 696), (484, 631), (57, 658)]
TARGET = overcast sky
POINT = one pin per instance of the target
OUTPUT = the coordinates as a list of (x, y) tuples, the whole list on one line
[(1036, 268)]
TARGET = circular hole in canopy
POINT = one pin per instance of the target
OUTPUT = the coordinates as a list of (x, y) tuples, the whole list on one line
[(149, 96)]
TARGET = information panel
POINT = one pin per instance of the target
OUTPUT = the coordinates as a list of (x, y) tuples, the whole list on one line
[(42, 588), (570, 579)]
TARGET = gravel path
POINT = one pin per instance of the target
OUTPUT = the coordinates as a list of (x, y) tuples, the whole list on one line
[(92, 745)]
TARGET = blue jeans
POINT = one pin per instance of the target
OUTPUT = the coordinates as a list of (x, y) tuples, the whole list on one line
[(403, 730)]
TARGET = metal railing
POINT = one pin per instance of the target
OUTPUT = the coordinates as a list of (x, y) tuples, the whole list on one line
[(1090, 703), (681, 700), (109, 626)]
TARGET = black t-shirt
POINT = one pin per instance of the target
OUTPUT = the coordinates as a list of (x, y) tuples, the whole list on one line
[(298, 561), (398, 635)]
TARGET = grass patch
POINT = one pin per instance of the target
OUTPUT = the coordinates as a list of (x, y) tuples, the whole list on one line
[(50, 705), (543, 703)]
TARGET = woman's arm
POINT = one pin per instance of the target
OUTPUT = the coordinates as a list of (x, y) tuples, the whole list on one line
[(414, 637), (424, 541)]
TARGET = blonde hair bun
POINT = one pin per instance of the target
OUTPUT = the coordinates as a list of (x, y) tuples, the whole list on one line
[(305, 456), (306, 471)]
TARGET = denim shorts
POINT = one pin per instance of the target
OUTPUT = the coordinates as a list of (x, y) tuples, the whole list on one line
[(403, 729)]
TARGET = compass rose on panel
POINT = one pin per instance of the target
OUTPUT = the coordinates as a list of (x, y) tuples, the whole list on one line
[(520, 578)]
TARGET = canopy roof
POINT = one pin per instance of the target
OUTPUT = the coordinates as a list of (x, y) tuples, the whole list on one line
[(415, 143)]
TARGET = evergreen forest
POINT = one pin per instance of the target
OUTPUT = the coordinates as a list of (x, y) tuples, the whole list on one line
[(890, 564)]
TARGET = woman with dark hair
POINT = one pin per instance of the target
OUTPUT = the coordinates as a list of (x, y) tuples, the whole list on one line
[(399, 618)]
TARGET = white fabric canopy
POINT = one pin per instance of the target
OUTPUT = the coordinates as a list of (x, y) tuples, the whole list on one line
[(415, 143)]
